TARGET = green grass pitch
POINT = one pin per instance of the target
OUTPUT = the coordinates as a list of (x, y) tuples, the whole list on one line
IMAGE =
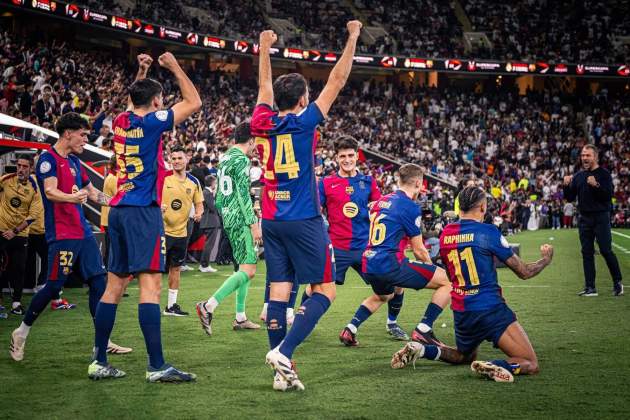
[(582, 345)]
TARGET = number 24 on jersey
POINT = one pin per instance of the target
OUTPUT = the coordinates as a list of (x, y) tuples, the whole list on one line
[(284, 160)]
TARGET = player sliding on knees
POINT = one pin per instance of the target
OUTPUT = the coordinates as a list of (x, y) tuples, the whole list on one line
[(64, 187), (241, 226), (468, 248), (136, 229), (393, 218), (297, 246)]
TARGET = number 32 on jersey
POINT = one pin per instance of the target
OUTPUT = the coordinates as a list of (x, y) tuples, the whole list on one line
[(284, 160)]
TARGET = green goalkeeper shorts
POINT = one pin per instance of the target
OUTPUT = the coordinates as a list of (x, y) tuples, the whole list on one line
[(243, 249)]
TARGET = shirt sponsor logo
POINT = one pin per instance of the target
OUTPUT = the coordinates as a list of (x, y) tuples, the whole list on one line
[(350, 210), (369, 253), (15, 202), (127, 186), (176, 204), (279, 195)]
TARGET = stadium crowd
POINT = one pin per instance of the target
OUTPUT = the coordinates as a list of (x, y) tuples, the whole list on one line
[(532, 30), (568, 31), (517, 147)]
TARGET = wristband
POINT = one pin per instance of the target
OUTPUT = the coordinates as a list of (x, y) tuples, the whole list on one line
[(16, 231)]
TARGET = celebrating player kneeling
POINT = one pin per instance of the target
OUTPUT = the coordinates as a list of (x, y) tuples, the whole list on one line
[(468, 248), (393, 218)]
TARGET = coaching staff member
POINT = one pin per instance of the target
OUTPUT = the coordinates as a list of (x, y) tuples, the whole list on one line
[(593, 188)]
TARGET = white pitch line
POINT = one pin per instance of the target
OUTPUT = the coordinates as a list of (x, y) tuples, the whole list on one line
[(621, 234), (622, 249)]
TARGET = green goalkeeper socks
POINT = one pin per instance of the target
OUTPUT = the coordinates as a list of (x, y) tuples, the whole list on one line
[(234, 282), (241, 296)]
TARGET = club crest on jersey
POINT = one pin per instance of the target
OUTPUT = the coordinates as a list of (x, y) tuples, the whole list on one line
[(45, 167), (349, 189), (350, 210), (73, 171), (161, 115), (188, 191)]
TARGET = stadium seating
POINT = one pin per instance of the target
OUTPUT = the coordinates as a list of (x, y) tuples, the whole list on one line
[(559, 31), (506, 140)]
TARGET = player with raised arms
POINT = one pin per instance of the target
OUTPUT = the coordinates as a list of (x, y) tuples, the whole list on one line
[(297, 246), (395, 220), (136, 229), (468, 248), (345, 196), (64, 187)]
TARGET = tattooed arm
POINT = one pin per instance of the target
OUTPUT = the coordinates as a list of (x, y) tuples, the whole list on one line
[(528, 270), (97, 196)]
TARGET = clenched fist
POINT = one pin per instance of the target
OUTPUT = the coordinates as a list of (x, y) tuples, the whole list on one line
[(168, 61), (267, 38), (546, 251), (567, 179), (144, 61), (354, 27)]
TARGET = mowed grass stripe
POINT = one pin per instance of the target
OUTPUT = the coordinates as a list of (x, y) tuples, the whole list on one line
[(581, 345)]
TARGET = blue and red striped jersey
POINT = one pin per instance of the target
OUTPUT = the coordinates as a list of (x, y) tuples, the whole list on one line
[(286, 146), (139, 161), (62, 220), (393, 218), (346, 203), (467, 248)]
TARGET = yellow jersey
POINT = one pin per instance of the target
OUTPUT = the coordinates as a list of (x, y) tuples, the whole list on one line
[(37, 227), (178, 196), (16, 204), (109, 189)]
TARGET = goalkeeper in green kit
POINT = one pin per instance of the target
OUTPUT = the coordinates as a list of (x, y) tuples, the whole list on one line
[(241, 226)]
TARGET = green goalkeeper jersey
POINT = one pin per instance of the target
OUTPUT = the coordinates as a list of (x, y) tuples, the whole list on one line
[(233, 199)]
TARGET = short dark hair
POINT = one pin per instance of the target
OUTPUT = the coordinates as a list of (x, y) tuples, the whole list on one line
[(71, 121), (26, 157), (177, 149), (469, 197), (346, 142), (592, 147), (288, 89), (209, 180), (408, 172), (143, 91), (242, 133)]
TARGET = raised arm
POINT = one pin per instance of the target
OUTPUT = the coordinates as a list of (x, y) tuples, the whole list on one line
[(339, 74), (144, 62), (191, 101), (265, 84), (528, 270)]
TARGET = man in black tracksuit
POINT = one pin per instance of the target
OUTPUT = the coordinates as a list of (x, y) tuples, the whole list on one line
[(594, 189)]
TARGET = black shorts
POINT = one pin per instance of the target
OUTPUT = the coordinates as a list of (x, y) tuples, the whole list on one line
[(176, 251)]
